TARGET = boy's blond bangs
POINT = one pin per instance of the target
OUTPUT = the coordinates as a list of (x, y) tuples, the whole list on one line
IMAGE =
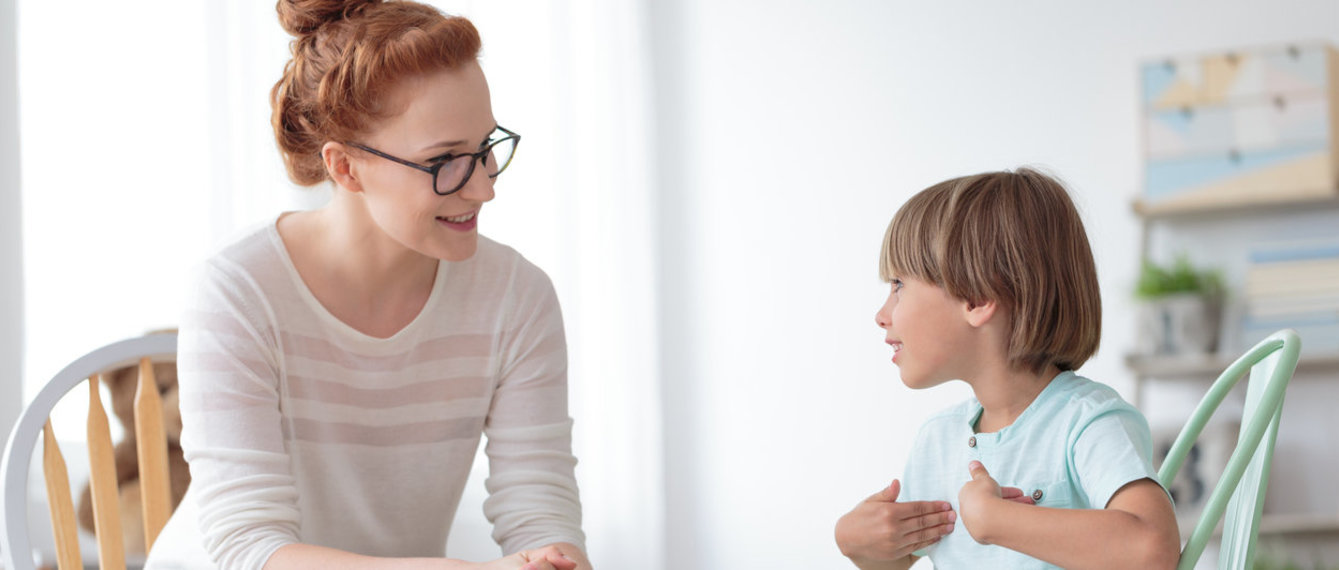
[(908, 250), (1014, 238)]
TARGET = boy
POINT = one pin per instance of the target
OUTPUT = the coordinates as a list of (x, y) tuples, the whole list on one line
[(993, 283)]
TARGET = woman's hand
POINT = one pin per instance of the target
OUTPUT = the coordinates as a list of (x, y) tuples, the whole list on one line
[(572, 553), (545, 558), (881, 530)]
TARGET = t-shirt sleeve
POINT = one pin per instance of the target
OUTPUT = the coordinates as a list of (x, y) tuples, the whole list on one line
[(533, 498), (232, 432), (1113, 448)]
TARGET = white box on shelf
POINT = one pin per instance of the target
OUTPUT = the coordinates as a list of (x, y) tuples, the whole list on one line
[(1241, 127)]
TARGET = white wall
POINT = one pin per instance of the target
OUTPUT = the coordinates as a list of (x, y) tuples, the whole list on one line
[(11, 262), (790, 133)]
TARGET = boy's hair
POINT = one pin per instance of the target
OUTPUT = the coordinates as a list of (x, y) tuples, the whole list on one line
[(1010, 237)]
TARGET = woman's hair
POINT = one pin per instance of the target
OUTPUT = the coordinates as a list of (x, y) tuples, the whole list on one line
[(1014, 238), (347, 56)]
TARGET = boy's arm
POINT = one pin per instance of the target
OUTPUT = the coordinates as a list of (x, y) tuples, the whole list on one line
[(1137, 529)]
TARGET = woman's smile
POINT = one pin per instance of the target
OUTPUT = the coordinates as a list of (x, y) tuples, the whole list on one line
[(464, 222)]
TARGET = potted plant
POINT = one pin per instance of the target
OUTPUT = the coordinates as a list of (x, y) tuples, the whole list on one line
[(1180, 307)]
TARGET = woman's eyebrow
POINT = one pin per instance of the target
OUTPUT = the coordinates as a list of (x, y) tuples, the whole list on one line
[(445, 144), (456, 143)]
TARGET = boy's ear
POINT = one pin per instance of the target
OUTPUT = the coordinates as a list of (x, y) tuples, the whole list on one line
[(978, 313), (339, 167)]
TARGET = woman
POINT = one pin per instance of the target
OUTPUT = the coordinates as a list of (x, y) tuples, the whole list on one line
[(339, 365)]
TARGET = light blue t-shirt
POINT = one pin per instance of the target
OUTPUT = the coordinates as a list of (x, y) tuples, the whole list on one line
[(1073, 447)]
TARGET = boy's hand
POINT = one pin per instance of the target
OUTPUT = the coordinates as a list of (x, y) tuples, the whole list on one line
[(977, 495), (882, 529)]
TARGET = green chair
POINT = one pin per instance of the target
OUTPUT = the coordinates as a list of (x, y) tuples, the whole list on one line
[(1240, 492)]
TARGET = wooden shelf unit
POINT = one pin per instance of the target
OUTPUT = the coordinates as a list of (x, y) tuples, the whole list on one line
[(1207, 367)]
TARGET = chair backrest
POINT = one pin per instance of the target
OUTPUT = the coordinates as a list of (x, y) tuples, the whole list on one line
[(152, 451), (1240, 491)]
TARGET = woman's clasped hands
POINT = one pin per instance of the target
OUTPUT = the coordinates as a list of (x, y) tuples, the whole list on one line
[(555, 557), (545, 558)]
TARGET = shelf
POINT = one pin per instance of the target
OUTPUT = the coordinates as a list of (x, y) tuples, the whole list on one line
[(1298, 524), (1278, 524), (1211, 365), (1265, 204)]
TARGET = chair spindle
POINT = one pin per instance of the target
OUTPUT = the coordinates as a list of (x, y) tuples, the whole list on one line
[(59, 502), (102, 482), (151, 440)]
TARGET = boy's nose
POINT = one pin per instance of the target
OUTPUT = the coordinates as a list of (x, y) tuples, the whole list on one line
[(880, 320)]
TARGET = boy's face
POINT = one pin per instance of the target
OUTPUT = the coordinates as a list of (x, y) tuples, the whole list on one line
[(928, 330)]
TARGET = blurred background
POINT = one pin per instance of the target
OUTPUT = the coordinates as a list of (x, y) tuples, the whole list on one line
[(707, 183)]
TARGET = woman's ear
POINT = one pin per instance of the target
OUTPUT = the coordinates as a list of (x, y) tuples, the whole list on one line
[(339, 167), (978, 313)]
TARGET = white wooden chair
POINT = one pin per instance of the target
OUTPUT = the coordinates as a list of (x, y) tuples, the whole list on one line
[(15, 540)]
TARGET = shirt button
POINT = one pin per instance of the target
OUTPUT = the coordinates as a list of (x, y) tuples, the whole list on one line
[(1036, 495), (971, 441)]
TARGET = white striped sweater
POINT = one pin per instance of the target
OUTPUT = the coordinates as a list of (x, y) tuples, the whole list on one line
[(299, 428)]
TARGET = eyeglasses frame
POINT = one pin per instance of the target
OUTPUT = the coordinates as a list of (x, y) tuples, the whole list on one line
[(435, 167)]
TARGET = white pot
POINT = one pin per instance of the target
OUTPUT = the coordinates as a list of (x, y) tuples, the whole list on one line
[(1182, 323)]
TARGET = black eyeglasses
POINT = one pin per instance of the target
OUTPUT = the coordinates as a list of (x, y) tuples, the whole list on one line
[(450, 172)]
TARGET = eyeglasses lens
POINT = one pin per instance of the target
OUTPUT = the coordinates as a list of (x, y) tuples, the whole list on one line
[(452, 174), (500, 157)]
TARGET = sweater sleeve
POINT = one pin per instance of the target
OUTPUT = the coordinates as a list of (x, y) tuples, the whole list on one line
[(232, 432), (533, 497)]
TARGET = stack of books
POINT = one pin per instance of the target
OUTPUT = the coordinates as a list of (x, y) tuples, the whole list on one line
[(1294, 286)]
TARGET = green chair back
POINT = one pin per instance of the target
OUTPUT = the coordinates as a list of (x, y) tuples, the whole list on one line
[(1240, 492)]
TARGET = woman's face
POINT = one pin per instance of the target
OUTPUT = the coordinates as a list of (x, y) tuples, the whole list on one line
[(446, 112)]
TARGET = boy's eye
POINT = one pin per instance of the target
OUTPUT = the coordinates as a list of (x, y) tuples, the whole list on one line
[(897, 285)]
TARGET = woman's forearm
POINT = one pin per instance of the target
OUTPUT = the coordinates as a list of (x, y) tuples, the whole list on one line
[(902, 563), (299, 556)]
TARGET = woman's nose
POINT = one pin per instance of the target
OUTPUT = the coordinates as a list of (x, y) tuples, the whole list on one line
[(479, 187)]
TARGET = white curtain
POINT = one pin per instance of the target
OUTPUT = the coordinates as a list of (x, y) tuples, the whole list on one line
[(573, 77), (11, 262), (152, 149)]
